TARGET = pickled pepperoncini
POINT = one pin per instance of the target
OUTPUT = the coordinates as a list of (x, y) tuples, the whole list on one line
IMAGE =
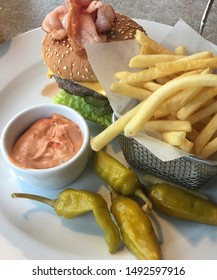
[(120, 178), (183, 204), (136, 228), (71, 203)]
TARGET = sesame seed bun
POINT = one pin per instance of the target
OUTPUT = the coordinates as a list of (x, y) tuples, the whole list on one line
[(68, 61)]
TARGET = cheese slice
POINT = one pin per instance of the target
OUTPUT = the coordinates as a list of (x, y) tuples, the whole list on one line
[(96, 86), (49, 73)]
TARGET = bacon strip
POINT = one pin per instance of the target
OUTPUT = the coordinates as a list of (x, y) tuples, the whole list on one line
[(82, 20)]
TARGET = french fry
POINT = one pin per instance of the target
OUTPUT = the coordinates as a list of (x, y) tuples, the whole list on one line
[(121, 74), (186, 145), (193, 57), (176, 102), (209, 149), (145, 49), (159, 96), (187, 65), (174, 138), (196, 103), (173, 104), (203, 113), (197, 56), (140, 77), (151, 86), (164, 80), (192, 72), (131, 91), (144, 61), (205, 135), (178, 98), (142, 38), (160, 113), (180, 50), (169, 125), (147, 75), (208, 103), (102, 139)]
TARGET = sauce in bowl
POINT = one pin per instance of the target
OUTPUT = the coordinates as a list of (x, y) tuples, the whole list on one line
[(49, 142)]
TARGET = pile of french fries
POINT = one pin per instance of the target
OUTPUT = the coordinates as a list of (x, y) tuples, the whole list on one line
[(178, 98)]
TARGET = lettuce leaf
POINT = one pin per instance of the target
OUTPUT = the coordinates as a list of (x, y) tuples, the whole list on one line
[(92, 110)]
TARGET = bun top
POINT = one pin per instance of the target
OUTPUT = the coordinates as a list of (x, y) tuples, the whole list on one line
[(67, 60)]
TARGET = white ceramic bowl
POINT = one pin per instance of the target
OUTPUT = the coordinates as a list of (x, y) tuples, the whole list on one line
[(50, 178)]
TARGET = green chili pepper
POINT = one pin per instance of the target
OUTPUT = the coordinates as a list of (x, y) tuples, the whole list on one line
[(71, 203), (183, 204), (136, 228), (120, 178)]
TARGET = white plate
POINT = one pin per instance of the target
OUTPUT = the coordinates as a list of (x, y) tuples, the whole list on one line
[(29, 230)]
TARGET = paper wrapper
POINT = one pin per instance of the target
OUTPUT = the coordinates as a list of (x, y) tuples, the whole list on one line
[(106, 59)]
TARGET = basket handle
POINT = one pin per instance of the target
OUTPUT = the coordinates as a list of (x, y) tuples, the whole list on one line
[(205, 16)]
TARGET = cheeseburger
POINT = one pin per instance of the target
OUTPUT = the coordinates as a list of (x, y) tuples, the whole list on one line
[(68, 28)]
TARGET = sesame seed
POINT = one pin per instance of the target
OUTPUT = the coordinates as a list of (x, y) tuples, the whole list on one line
[(65, 67)]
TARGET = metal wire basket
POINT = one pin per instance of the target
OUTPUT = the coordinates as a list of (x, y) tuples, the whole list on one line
[(188, 171)]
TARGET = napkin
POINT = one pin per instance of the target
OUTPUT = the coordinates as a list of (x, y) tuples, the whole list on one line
[(108, 58)]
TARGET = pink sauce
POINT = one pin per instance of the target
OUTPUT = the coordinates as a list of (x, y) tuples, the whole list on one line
[(47, 143)]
